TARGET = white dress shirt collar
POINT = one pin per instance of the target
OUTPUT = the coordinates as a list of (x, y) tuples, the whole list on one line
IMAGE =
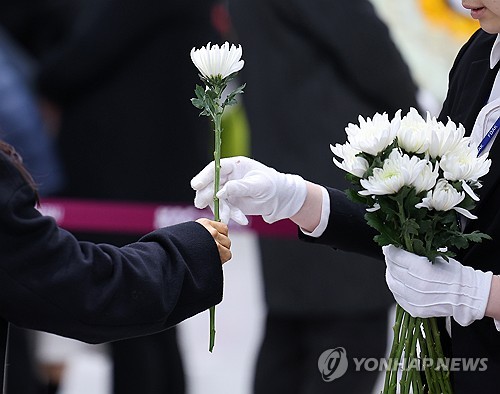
[(495, 52)]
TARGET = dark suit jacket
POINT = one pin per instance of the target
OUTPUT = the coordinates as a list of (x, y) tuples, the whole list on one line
[(96, 293), (470, 84), (312, 67)]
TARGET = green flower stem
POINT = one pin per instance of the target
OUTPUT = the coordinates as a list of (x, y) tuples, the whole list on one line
[(411, 329), (430, 327), (404, 332), (402, 219), (217, 155), (212, 328), (409, 356), (209, 101), (432, 354), (392, 367), (416, 379), (401, 346), (429, 348), (431, 384), (439, 378), (442, 376), (411, 320), (439, 350)]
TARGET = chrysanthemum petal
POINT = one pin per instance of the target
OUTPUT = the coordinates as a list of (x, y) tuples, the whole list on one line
[(465, 212), (214, 61)]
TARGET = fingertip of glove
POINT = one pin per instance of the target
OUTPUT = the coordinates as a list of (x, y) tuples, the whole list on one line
[(199, 204), (239, 218), (195, 183), (388, 249), (222, 192)]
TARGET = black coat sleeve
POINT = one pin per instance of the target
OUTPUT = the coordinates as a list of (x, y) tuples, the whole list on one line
[(96, 293), (347, 229)]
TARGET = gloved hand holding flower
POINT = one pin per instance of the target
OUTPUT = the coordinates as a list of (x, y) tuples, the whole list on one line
[(445, 288), (250, 188)]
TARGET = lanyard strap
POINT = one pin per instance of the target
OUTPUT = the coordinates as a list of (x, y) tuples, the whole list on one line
[(489, 136)]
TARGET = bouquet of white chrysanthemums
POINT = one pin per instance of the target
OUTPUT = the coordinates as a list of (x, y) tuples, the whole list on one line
[(417, 178)]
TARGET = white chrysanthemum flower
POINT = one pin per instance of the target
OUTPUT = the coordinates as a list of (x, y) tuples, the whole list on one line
[(427, 178), (397, 171), (414, 132), (351, 163), (214, 61), (372, 136), (444, 138), (445, 197), (462, 163)]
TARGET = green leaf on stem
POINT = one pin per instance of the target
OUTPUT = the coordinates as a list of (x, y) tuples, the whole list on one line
[(388, 206), (386, 235), (231, 100), (354, 196), (198, 103)]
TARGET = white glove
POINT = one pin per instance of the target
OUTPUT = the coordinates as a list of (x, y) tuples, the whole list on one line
[(434, 290), (248, 187)]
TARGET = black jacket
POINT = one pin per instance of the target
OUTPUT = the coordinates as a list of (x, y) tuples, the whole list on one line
[(96, 293), (470, 84)]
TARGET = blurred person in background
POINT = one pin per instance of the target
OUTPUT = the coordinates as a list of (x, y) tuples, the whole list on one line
[(22, 125), (311, 67), (121, 81)]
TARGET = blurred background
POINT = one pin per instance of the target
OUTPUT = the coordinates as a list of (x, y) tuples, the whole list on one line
[(95, 95)]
